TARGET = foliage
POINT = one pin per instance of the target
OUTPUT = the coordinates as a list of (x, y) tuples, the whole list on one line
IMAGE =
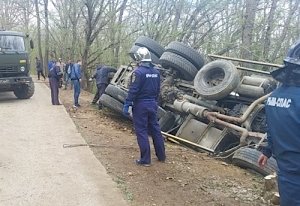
[(102, 31)]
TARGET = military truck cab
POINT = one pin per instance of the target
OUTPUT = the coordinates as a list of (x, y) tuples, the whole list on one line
[(14, 65)]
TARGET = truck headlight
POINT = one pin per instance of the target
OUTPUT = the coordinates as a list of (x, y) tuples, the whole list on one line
[(22, 69)]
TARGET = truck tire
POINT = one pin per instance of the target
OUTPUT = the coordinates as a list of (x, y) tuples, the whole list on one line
[(187, 71), (134, 48), (111, 103), (216, 80), (150, 44), (167, 122), (186, 52), (25, 91), (247, 158), (116, 92)]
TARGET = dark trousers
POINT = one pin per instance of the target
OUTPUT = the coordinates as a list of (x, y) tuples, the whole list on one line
[(289, 188), (145, 122), (76, 85), (54, 91), (39, 73), (100, 90)]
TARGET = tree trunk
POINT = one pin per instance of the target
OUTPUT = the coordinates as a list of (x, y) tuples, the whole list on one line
[(270, 22), (247, 29), (38, 19), (46, 35)]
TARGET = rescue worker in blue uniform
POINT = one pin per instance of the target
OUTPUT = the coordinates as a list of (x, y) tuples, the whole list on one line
[(143, 95), (101, 75), (283, 120), (54, 76)]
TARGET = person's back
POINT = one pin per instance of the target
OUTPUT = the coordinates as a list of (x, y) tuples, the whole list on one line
[(148, 85), (283, 115)]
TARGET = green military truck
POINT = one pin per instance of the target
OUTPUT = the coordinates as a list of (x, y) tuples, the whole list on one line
[(14, 65)]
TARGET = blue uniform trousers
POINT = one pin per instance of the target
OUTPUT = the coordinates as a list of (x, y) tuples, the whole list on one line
[(76, 85), (54, 90), (145, 122), (289, 189)]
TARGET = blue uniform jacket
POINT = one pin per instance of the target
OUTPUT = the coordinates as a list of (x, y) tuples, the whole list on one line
[(145, 83), (102, 74), (283, 119), (55, 72), (75, 72)]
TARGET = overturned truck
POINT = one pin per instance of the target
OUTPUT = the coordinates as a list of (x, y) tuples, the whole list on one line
[(217, 107)]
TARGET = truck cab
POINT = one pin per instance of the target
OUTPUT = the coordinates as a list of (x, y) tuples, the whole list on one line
[(14, 65)]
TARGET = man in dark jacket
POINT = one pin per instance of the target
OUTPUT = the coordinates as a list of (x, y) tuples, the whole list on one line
[(143, 95), (67, 73), (54, 76), (102, 76), (283, 120), (39, 68)]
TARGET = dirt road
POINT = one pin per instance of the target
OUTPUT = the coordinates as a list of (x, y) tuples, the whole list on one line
[(35, 169)]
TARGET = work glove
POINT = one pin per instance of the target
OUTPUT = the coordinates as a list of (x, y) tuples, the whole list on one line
[(90, 79), (126, 106)]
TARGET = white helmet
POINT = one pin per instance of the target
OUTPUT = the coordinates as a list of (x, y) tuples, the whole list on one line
[(142, 55)]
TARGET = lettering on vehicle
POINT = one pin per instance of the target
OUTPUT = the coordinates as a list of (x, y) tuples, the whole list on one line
[(279, 102), (151, 75)]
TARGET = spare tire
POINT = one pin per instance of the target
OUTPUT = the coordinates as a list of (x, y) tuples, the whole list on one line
[(187, 71), (152, 45), (116, 92), (187, 52), (248, 157), (134, 48), (216, 80), (111, 103)]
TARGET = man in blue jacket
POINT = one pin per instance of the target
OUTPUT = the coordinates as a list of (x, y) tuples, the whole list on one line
[(142, 96), (283, 119), (76, 80), (102, 76)]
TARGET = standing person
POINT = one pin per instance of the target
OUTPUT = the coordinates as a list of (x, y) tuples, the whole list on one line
[(283, 120), (39, 68), (76, 80), (143, 95), (51, 64), (54, 76), (67, 72), (102, 80)]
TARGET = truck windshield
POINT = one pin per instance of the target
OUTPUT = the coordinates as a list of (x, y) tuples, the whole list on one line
[(12, 43)]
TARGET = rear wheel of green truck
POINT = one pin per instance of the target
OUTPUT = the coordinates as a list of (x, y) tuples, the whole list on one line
[(24, 91)]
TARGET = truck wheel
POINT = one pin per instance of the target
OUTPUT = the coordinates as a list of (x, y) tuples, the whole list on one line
[(247, 158), (116, 92), (154, 58), (187, 71), (167, 121), (25, 91), (216, 79), (111, 103), (186, 52), (152, 45)]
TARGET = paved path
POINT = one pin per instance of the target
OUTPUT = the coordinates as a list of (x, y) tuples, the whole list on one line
[(35, 169)]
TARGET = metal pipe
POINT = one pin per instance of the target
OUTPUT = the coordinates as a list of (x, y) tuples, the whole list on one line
[(186, 106), (203, 103), (246, 61), (245, 115), (244, 131), (186, 141)]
